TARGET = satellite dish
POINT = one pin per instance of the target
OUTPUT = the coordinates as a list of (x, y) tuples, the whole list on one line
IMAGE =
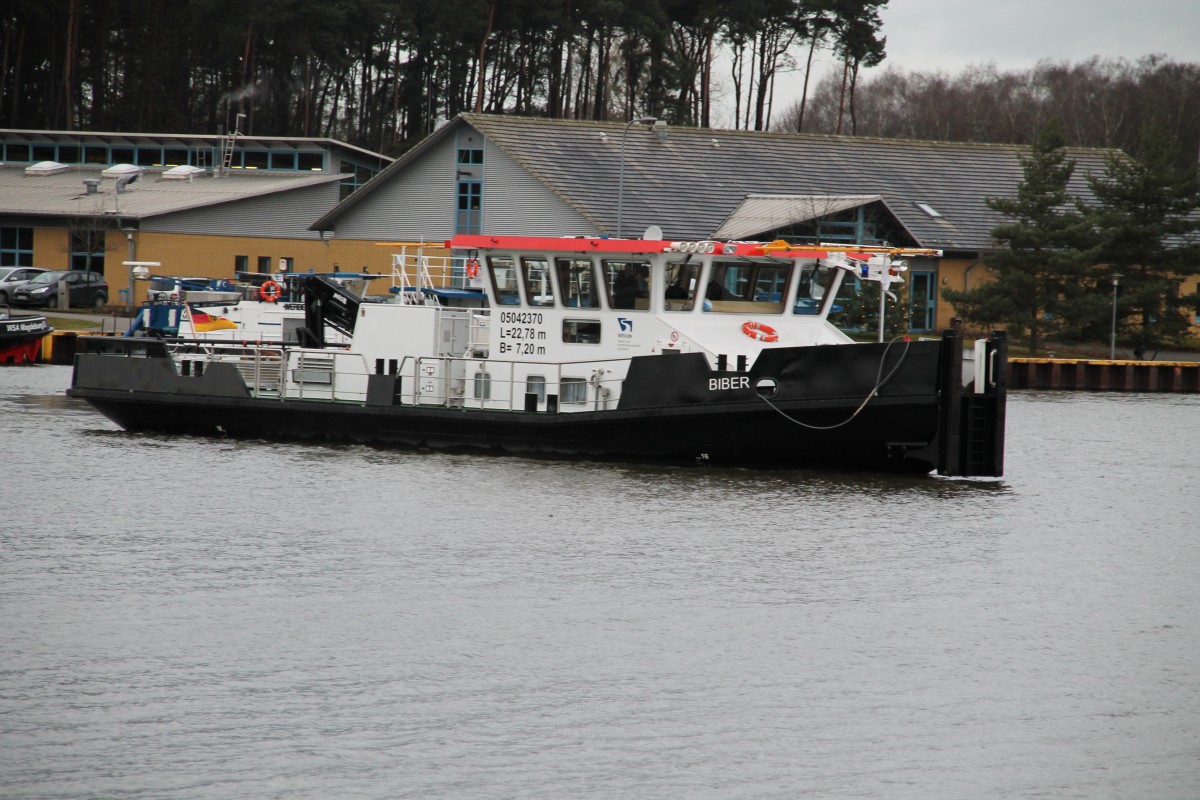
[(653, 234)]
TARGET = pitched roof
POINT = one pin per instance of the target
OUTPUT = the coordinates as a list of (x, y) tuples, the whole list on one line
[(767, 212), (64, 194), (691, 182)]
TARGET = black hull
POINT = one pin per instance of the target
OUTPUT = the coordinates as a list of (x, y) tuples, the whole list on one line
[(903, 429)]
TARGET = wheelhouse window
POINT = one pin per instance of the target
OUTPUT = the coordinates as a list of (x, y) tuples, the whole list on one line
[(627, 284), (736, 287), (536, 274), (504, 280), (812, 287), (581, 331), (572, 391), (681, 286), (576, 281)]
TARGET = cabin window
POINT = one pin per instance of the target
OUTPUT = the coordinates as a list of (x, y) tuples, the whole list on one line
[(576, 281), (483, 386), (536, 272), (572, 391), (627, 284), (681, 286), (504, 280), (746, 288), (812, 287), (581, 331), (536, 384)]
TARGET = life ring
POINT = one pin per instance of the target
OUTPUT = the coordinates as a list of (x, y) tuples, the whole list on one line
[(759, 331), (472, 268), (269, 292)]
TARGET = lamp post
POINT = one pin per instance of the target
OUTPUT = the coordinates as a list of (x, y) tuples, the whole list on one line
[(621, 179), (132, 256), (1112, 347)]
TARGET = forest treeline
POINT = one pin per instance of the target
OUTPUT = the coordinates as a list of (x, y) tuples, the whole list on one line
[(382, 74)]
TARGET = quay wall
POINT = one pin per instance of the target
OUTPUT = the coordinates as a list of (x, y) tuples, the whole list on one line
[(1102, 375)]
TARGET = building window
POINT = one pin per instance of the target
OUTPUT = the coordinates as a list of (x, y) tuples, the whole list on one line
[(87, 250), (483, 386), (470, 155), (16, 247), (573, 391), (264, 263), (16, 152), (241, 264), (470, 207), (311, 162)]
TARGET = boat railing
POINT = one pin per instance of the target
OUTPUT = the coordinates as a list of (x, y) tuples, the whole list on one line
[(415, 270), (495, 385)]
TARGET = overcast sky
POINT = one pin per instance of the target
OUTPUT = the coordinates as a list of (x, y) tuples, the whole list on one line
[(947, 35), (950, 35)]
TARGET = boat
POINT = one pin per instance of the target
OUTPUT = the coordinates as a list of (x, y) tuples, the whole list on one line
[(640, 350), (21, 336)]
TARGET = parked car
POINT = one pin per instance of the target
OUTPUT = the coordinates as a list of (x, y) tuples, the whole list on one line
[(12, 277), (86, 289)]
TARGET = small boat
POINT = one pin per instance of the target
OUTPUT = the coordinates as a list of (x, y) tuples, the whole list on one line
[(644, 350), (21, 336)]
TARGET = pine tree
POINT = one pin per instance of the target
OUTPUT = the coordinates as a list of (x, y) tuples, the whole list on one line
[(1148, 227), (1043, 255)]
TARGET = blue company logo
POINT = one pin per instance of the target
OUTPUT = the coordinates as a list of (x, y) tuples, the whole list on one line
[(626, 323)]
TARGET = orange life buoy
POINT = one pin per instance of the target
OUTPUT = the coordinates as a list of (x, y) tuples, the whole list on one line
[(472, 268), (269, 291), (759, 331)]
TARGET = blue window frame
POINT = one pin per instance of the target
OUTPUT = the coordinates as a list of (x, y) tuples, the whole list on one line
[(469, 217), (16, 247)]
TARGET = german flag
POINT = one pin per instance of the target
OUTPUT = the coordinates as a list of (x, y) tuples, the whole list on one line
[(203, 322)]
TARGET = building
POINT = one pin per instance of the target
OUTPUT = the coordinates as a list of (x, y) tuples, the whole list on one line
[(514, 175), (198, 205)]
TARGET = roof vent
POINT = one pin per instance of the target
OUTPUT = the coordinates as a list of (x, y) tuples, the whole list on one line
[(46, 168), (928, 209), (184, 172), (121, 171), (91, 185)]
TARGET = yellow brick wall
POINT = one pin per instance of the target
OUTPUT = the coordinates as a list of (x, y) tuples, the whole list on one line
[(957, 274), (215, 257), (51, 248)]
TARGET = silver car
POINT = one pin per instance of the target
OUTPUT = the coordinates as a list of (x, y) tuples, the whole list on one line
[(12, 277)]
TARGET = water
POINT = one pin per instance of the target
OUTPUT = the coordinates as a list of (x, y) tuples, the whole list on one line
[(205, 618)]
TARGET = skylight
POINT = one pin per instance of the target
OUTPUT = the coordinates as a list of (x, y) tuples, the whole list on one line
[(928, 209), (46, 168), (121, 171)]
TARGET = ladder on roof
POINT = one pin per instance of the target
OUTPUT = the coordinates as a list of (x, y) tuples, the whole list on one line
[(227, 145)]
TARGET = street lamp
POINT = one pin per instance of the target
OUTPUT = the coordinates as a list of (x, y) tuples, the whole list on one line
[(1112, 347), (648, 121), (129, 232)]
